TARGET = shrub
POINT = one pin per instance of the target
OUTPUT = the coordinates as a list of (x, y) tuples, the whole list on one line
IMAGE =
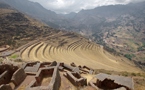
[(129, 56)]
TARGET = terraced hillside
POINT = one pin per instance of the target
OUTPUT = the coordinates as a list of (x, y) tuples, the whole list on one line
[(70, 47), (48, 44), (17, 29)]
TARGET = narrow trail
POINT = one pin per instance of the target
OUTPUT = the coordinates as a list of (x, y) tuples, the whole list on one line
[(68, 49)]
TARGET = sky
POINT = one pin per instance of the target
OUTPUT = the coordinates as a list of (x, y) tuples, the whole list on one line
[(67, 6)]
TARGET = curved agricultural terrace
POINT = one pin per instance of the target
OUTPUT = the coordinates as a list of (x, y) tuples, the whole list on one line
[(69, 47)]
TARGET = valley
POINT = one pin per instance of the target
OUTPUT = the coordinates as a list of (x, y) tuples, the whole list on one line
[(123, 23), (84, 46), (35, 41)]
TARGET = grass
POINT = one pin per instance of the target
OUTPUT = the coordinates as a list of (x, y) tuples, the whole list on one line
[(14, 56), (1, 59)]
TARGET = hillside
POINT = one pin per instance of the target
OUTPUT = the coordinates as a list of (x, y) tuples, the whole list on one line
[(43, 43), (37, 11), (67, 47), (119, 28), (17, 29), (37, 46)]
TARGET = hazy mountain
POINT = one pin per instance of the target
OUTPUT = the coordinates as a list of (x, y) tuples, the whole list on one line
[(120, 27), (35, 10)]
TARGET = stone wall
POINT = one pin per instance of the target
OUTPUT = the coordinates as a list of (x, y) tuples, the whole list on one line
[(54, 83), (5, 87), (29, 64), (44, 72), (18, 76), (76, 79), (5, 77), (108, 84), (56, 80), (53, 63), (105, 81), (51, 71), (71, 68), (93, 85), (11, 68), (33, 68)]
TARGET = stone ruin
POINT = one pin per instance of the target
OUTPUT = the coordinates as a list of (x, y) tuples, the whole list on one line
[(76, 79), (112, 82), (32, 75)]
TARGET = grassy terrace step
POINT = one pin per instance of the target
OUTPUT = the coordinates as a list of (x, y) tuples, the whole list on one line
[(72, 44), (33, 49), (39, 52), (73, 48)]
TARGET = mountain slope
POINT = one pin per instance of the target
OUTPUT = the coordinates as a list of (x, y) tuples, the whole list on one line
[(17, 28), (47, 44), (119, 28), (35, 10)]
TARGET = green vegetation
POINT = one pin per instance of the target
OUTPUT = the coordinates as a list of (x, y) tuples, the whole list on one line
[(18, 60), (1, 59), (111, 50), (14, 56), (129, 56), (141, 48), (125, 74)]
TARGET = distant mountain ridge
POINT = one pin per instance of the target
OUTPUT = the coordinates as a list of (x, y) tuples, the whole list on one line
[(35, 10)]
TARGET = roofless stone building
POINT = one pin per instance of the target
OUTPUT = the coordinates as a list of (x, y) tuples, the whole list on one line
[(50, 75)]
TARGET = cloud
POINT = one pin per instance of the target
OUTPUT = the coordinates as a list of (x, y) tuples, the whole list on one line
[(128, 1), (67, 6)]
